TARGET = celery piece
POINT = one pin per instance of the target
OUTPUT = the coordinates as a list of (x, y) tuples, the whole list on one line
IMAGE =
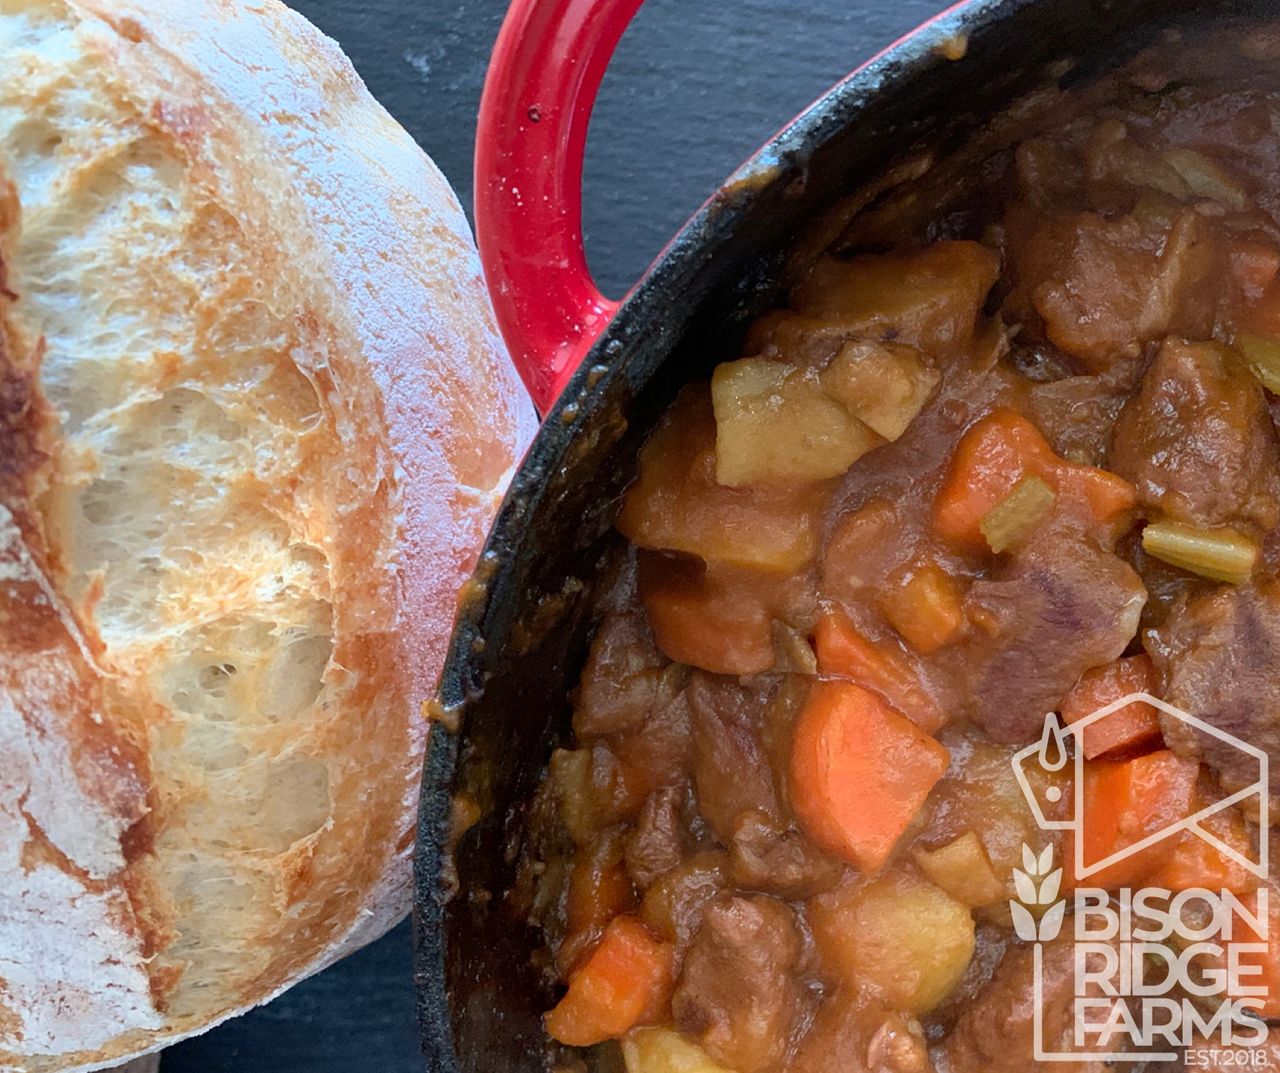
[(1010, 520), (1220, 554), (1262, 354), (794, 653), (1207, 178)]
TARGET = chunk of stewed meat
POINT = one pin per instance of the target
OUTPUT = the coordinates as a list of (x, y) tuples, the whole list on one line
[(1099, 288), (731, 765), (996, 1033), (1057, 608), (739, 995), (770, 857), (592, 791), (854, 1035), (866, 548), (661, 836), (620, 681), (660, 753), (673, 905), (1076, 415), (1218, 654), (1198, 442)]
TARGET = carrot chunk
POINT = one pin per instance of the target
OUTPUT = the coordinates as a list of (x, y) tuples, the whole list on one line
[(625, 981), (843, 652), (1107, 497), (699, 620), (991, 458), (1128, 728), (926, 610), (994, 456), (859, 772), (1197, 863), (599, 889), (1126, 801)]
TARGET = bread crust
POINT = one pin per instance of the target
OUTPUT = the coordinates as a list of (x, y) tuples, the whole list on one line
[(243, 487)]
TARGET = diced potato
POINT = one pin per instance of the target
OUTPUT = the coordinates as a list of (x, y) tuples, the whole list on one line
[(1263, 357), (664, 1050), (882, 384), (672, 906), (571, 776), (774, 423), (1011, 520), (677, 504), (897, 935), (928, 299), (963, 869), (1206, 178), (1220, 554)]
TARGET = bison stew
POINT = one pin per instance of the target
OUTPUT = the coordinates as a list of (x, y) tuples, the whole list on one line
[(1021, 459)]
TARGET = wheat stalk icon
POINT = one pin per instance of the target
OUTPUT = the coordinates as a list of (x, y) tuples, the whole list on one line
[(1037, 886)]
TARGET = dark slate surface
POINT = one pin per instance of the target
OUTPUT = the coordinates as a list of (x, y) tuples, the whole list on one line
[(696, 85)]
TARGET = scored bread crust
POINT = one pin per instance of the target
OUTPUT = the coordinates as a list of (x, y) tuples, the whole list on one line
[(254, 421)]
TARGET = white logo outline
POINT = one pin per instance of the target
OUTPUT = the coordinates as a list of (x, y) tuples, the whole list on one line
[(1054, 740), (1056, 735)]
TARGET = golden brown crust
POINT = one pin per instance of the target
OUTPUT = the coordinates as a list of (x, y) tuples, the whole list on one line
[(252, 465)]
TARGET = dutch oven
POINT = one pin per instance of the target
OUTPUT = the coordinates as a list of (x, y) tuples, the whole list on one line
[(602, 373)]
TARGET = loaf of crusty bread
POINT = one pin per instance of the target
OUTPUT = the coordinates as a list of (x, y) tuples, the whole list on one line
[(254, 420)]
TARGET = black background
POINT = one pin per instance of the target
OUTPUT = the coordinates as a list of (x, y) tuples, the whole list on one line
[(695, 86)]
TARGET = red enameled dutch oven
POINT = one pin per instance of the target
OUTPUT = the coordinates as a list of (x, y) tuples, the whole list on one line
[(602, 372)]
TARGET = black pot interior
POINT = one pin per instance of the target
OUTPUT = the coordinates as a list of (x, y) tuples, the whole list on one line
[(525, 624)]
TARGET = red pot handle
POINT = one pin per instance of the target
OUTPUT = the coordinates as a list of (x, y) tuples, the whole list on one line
[(541, 87)]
